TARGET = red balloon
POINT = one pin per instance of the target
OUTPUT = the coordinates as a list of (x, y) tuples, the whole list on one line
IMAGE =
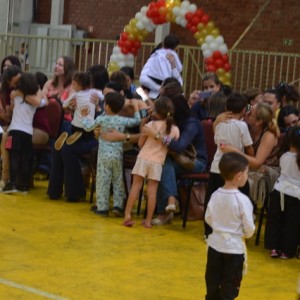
[(227, 67), (137, 44), (162, 19), (128, 44), (134, 51), (120, 43), (195, 20), (217, 55), (188, 25), (209, 61), (199, 13), (193, 29), (205, 19), (188, 16), (218, 63), (161, 3), (211, 68), (124, 36), (225, 57), (125, 50)]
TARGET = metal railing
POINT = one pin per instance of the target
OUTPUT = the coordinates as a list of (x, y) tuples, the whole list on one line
[(249, 68)]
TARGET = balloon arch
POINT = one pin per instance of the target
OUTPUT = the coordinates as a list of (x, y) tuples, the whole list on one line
[(186, 15)]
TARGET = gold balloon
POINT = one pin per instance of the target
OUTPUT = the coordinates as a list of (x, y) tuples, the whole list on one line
[(200, 26), (201, 41), (227, 76), (127, 28), (197, 35), (215, 32), (220, 72), (133, 22), (210, 25)]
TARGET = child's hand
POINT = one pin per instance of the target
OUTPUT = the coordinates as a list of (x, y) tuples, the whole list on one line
[(14, 94), (84, 110)]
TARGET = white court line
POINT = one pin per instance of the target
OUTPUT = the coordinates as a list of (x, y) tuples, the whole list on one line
[(30, 289)]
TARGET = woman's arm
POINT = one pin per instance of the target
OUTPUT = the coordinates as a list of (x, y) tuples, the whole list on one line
[(266, 146), (223, 117), (36, 100)]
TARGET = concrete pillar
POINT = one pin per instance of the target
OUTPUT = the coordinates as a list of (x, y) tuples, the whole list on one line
[(4, 15), (161, 31), (57, 12)]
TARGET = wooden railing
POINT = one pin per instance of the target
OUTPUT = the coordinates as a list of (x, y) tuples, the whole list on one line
[(249, 68)]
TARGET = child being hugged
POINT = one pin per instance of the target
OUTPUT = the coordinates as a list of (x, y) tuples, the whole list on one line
[(233, 132), (229, 213), (282, 234), (110, 154), (151, 159), (81, 84), (20, 130)]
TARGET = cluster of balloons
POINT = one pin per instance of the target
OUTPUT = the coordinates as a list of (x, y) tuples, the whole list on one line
[(186, 15)]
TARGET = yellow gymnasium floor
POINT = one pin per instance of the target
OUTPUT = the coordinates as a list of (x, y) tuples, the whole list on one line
[(58, 250)]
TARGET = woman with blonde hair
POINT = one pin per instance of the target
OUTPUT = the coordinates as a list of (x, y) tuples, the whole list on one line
[(265, 163)]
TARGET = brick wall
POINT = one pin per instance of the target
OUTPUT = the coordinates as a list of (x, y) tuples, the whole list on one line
[(108, 18)]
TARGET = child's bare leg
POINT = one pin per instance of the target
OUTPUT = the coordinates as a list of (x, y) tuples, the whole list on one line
[(151, 203), (133, 195)]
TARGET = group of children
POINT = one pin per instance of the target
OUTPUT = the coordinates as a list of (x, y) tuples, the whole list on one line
[(229, 212)]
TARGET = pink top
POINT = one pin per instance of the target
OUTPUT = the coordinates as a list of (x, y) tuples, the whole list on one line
[(63, 95), (153, 149)]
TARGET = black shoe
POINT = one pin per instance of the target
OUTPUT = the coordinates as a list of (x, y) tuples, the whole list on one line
[(9, 188), (94, 208), (103, 213), (117, 211), (23, 188)]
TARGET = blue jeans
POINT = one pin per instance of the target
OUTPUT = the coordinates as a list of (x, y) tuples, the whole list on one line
[(168, 182)]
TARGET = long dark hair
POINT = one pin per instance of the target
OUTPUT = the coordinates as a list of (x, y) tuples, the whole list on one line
[(69, 68), (14, 61), (165, 109), (294, 140)]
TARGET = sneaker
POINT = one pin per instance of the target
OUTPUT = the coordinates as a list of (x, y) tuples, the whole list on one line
[(117, 211), (274, 253), (60, 141), (283, 256), (73, 137), (9, 188)]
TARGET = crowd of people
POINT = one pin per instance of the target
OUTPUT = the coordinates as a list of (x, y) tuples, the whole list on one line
[(255, 130)]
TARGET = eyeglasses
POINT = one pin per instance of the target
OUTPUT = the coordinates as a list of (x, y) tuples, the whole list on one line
[(248, 108)]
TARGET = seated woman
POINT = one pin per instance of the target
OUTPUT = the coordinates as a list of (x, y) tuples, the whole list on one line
[(264, 133)]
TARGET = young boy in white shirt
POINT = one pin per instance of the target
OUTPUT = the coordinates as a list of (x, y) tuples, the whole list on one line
[(230, 215)]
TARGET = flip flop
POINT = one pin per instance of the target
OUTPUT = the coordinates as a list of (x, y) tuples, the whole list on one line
[(128, 223)]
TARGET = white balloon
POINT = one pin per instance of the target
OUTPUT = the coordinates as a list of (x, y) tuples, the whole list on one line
[(146, 20), (138, 15), (144, 10), (213, 46), (209, 39), (139, 25), (130, 64), (204, 47), (192, 8), (182, 12), (120, 57), (178, 20), (207, 53), (219, 40), (183, 23), (185, 4), (149, 28), (176, 11), (129, 57), (117, 50), (113, 57), (121, 64), (223, 49)]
